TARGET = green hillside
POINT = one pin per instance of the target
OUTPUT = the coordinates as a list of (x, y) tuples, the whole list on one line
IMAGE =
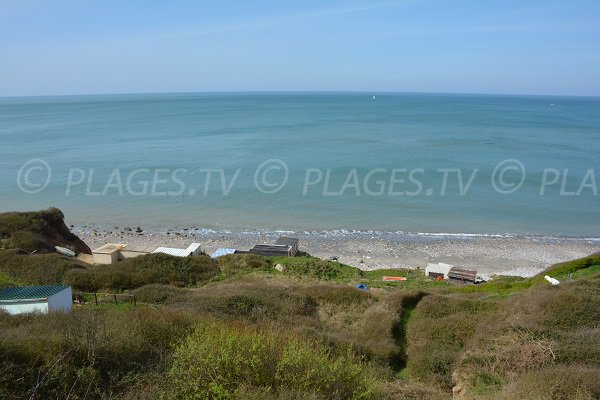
[(237, 328)]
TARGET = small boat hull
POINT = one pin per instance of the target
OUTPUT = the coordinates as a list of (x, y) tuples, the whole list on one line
[(64, 251), (394, 278)]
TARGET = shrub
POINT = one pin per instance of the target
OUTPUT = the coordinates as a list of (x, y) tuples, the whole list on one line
[(253, 299), (144, 270), (438, 332), (557, 383), (316, 268), (411, 390), (217, 358), (245, 392), (340, 295), (160, 294), (87, 353), (497, 358), (36, 269), (581, 346), (538, 329), (234, 263)]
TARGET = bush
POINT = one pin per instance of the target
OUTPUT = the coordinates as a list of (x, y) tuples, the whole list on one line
[(254, 300), (316, 268), (340, 295), (543, 328), (160, 294), (36, 269), (557, 383), (437, 334), (245, 392), (144, 270), (84, 354), (411, 390), (234, 263), (217, 358)]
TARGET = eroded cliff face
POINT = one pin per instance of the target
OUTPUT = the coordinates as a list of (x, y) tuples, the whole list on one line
[(38, 231)]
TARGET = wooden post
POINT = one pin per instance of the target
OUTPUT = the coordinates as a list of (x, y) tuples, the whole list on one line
[(116, 303), (96, 298), (134, 300)]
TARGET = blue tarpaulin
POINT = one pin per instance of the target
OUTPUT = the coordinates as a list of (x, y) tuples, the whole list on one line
[(222, 251)]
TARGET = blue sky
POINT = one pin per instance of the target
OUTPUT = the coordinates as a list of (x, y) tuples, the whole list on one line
[(135, 46)]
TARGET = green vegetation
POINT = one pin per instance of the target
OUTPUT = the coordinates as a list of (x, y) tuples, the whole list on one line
[(85, 354), (7, 281), (315, 268), (237, 328), (144, 270), (504, 285), (36, 269), (37, 231), (562, 270), (233, 264), (217, 358)]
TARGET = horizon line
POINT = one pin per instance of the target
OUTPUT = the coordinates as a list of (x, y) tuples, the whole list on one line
[(374, 92)]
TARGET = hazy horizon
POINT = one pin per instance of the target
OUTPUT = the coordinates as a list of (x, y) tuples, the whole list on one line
[(366, 92)]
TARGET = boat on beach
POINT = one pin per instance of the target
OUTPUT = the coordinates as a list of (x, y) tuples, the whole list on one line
[(64, 251)]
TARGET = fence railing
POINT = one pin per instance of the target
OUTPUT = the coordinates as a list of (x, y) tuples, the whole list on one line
[(103, 298)]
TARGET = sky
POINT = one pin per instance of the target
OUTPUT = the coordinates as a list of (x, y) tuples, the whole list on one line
[(449, 46)]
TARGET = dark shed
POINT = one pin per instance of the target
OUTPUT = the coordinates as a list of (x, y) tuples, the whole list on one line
[(292, 243), (464, 276)]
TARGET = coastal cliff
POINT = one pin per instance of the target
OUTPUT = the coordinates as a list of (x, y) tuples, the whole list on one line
[(38, 231)]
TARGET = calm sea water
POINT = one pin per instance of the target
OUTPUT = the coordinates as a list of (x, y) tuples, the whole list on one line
[(389, 163)]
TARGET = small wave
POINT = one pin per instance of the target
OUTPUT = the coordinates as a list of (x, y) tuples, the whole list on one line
[(337, 233)]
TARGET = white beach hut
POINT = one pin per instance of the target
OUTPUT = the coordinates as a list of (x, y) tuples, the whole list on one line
[(41, 299), (192, 250)]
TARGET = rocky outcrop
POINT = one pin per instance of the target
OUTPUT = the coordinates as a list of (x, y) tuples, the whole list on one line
[(38, 231)]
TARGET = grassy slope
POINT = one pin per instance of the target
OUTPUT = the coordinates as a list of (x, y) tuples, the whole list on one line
[(413, 339)]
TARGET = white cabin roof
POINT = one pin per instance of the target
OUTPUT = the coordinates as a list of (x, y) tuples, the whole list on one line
[(178, 252)]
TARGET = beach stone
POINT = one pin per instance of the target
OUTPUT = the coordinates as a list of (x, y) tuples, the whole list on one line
[(279, 267)]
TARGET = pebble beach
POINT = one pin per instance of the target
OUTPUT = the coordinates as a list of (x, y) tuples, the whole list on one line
[(489, 255)]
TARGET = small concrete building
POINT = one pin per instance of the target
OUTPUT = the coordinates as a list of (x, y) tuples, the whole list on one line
[(192, 250), (135, 251), (111, 253), (438, 270), (108, 253), (41, 299)]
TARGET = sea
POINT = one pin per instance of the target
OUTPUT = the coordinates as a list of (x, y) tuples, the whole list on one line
[(331, 163)]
